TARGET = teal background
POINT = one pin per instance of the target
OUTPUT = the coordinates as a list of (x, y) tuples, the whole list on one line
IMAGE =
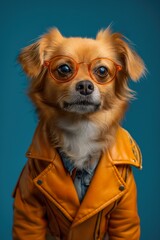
[(21, 22)]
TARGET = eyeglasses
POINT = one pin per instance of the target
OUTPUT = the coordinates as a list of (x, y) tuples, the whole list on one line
[(63, 69)]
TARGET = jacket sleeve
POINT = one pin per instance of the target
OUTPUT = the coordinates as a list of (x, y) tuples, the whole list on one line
[(29, 213), (124, 222)]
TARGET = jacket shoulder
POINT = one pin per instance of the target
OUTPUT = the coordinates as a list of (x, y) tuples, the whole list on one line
[(125, 150)]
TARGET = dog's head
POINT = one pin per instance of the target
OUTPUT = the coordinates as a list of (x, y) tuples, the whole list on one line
[(81, 75)]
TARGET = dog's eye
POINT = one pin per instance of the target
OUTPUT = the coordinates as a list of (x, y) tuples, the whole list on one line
[(64, 69), (102, 71)]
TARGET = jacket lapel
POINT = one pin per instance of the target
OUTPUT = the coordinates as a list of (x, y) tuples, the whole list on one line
[(56, 183)]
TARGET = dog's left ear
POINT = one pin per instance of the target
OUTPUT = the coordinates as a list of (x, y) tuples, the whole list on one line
[(132, 63), (32, 57)]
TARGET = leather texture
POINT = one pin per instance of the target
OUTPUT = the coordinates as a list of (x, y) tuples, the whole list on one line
[(46, 204)]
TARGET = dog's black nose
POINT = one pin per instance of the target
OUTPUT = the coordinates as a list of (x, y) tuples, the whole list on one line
[(85, 87)]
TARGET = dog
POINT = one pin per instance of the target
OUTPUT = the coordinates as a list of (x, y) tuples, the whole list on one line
[(79, 87)]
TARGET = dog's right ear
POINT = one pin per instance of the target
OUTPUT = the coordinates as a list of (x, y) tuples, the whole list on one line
[(133, 65), (32, 57)]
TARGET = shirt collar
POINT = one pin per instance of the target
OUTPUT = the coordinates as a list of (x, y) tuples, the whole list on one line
[(66, 161)]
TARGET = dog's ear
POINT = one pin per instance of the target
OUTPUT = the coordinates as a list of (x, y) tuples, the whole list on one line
[(32, 57), (132, 63)]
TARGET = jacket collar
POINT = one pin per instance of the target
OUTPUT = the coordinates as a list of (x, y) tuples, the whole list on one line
[(40, 147), (124, 150)]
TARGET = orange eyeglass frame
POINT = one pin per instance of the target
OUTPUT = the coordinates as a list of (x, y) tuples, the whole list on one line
[(48, 64)]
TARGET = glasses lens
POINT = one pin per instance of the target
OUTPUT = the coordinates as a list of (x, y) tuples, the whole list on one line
[(62, 68), (103, 70)]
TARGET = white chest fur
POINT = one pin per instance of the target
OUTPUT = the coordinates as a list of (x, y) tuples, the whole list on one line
[(79, 141)]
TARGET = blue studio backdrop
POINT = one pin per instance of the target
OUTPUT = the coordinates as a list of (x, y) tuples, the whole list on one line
[(22, 22)]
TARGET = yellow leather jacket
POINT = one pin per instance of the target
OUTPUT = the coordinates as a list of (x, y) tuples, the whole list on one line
[(46, 202)]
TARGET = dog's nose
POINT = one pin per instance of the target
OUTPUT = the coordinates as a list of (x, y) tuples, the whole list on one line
[(85, 87)]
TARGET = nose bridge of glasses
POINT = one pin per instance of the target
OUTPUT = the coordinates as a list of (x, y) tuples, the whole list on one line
[(83, 63), (83, 67)]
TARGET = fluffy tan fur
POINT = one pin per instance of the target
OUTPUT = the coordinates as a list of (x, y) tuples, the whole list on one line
[(81, 136)]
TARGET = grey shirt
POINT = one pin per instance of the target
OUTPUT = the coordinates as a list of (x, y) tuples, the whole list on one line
[(83, 176)]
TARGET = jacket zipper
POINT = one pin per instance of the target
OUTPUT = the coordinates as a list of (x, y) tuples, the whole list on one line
[(97, 227)]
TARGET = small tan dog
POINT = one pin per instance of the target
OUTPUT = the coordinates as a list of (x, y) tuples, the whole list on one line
[(79, 87)]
